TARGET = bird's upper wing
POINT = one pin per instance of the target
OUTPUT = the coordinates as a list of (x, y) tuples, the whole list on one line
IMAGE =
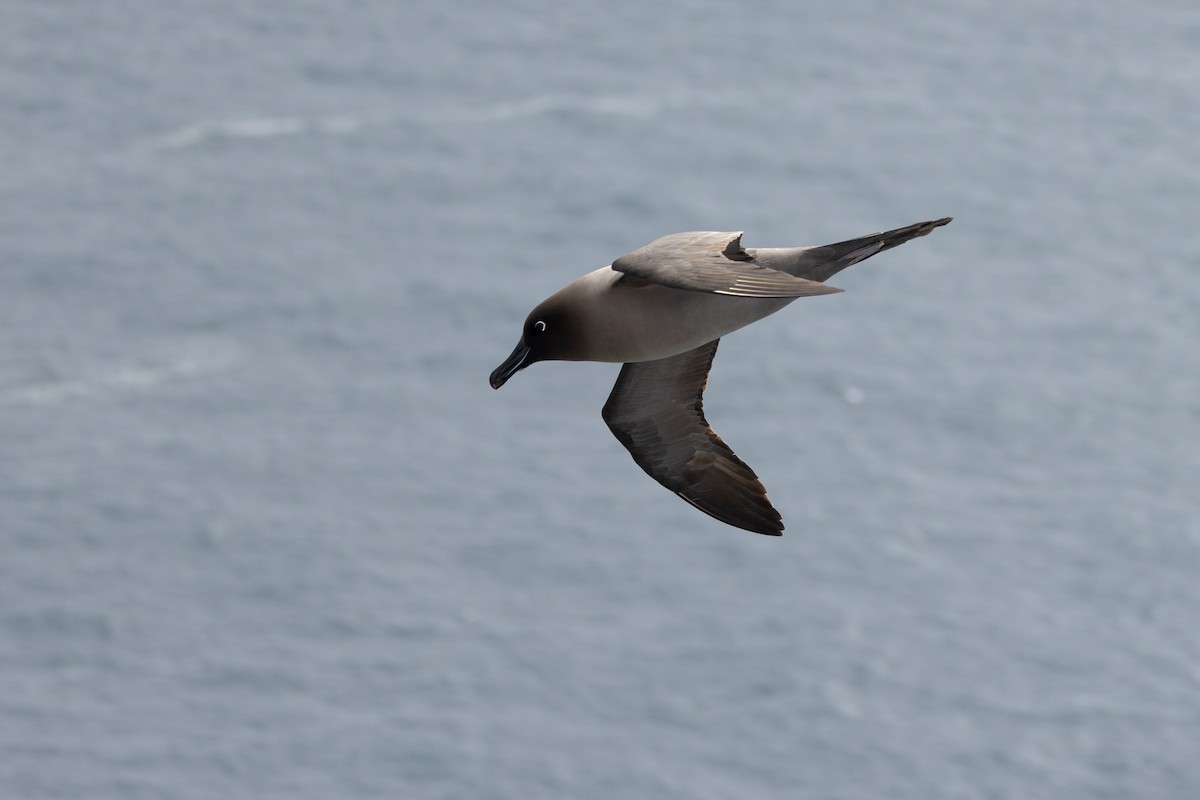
[(655, 411), (709, 261), (822, 263)]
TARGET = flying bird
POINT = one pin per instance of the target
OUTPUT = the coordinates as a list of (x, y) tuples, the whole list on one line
[(661, 310)]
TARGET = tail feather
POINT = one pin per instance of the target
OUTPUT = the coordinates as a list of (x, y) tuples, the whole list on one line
[(822, 263)]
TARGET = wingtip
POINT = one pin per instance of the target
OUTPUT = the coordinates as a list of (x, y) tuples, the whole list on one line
[(926, 228), (763, 519), (774, 527), (765, 527)]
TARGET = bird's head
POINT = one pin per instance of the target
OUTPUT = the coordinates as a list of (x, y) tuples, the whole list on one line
[(550, 334)]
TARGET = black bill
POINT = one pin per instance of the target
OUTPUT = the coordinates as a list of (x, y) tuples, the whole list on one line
[(510, 366)]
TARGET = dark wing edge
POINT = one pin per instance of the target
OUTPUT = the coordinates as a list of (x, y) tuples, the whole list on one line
[(823, 262), (715, 262), (655, 411)]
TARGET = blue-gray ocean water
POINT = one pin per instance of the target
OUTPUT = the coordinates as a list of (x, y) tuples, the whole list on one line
[(266, 532)]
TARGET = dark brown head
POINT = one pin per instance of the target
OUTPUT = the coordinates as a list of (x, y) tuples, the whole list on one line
[(550, 334)]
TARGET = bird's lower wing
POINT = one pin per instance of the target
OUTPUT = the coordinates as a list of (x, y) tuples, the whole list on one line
[(655, 411)]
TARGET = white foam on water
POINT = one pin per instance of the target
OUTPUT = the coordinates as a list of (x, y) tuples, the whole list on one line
[(251, 128), (120, 378)]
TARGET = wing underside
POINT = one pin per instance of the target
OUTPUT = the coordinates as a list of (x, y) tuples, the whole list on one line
[(655, 411)]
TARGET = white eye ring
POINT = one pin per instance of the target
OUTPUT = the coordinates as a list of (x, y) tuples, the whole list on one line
[(539, 326)]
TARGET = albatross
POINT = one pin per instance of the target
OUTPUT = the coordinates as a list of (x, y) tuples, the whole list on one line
[(661, 311)]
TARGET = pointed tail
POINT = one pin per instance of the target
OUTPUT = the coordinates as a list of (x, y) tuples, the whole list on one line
[(822, 263)]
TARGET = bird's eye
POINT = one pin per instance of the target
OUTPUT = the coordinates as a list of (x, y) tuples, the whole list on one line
[(539, 326)]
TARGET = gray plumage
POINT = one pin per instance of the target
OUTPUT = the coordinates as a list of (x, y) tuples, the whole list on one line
[(712, 262), (662, 310)]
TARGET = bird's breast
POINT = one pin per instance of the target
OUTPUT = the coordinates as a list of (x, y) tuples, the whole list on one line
[(639, 321)]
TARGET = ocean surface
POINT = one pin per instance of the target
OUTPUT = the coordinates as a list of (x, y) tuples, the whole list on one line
[(266, 532)]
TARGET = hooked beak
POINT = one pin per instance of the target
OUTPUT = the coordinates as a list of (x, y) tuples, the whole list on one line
[(514, 362)]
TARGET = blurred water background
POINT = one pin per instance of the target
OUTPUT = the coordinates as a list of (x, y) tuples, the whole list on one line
[(265, 532)]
